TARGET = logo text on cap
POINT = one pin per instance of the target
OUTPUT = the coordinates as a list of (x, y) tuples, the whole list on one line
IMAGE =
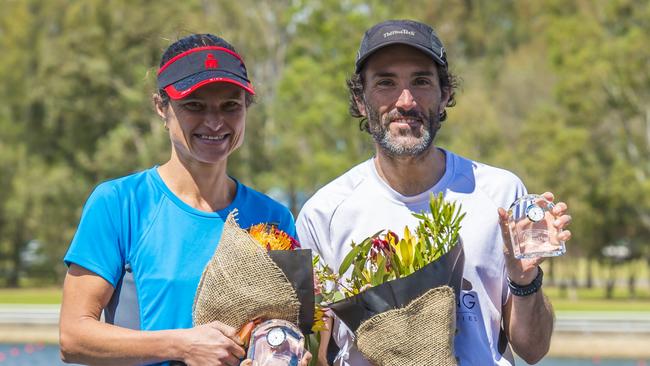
[(210, 62), (403, 31)]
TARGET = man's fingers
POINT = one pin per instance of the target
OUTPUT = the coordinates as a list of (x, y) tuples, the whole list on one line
[(246, 363), (562, 221), (503, 223), (505, 233), (559, 209), (549, 196), (305, 359), (503, 215), (565, 235)]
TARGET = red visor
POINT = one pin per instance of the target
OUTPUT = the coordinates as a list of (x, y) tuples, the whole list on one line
[(197, 67)]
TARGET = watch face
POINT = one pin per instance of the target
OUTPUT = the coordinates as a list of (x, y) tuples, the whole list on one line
[(276, 336), (534, 213)]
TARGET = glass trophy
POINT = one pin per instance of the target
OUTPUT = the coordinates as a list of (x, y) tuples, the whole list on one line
[(276, 342), (532, 233)]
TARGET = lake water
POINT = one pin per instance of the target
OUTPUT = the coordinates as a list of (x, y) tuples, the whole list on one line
[(48, 355)]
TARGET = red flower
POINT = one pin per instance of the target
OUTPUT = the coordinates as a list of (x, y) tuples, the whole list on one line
[(383, 247), (294, 242), (391, 235)]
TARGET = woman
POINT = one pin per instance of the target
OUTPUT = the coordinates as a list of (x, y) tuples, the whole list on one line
[(144, 239)]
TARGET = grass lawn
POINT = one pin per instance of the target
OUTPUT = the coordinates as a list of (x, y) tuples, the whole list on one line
[(583, 299), (601, 305), (580, 299), (45, 295)]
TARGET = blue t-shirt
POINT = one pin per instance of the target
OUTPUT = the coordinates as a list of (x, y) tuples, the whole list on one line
[(152, 247)]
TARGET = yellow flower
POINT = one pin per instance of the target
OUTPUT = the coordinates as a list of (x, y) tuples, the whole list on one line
[(319, 320)]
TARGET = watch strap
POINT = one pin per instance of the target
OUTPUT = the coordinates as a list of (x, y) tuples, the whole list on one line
[(531, 288)]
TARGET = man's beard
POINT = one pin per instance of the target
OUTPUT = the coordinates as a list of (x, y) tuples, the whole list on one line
[(392, 144)]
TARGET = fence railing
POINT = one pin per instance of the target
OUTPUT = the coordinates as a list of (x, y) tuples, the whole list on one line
[(576, 322), (603, 322)]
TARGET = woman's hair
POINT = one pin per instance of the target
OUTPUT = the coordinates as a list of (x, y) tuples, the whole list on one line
[(191, 42), (448, 81)]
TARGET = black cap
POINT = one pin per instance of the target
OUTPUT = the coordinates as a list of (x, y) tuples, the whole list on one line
[(199, 66), (408, 32)]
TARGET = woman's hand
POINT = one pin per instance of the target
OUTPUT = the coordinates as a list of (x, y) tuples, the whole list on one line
[(213, 344), (303, 362)]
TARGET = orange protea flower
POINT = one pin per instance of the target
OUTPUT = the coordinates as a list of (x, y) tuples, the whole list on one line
[(272, 238)]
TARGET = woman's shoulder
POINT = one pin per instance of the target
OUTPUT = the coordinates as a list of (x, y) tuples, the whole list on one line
[(251, 196), (132, 184), (256, 207)]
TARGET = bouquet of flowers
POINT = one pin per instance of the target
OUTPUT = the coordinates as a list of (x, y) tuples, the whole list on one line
[(399, 297), (255, 275), (295, 266)]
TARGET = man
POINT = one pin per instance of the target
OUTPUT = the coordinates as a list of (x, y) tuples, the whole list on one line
[(400, 89)]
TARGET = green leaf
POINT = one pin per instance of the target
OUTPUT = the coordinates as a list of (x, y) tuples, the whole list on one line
[(378, 277), (397, 266), (347, 261)]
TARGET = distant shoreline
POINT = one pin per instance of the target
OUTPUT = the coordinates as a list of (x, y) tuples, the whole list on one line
[(563, 345)]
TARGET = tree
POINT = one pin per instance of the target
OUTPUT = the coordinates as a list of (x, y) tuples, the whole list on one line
[(75, 73), (603, 89)]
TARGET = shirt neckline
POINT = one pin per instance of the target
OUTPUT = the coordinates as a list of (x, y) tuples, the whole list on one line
[(155, 175), (420, 197)]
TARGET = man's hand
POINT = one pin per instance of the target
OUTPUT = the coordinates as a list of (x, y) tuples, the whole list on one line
[(524, 271), (303, 362), (214, 344)]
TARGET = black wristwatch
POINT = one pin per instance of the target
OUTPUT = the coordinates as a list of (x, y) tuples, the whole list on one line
[(529, 289)]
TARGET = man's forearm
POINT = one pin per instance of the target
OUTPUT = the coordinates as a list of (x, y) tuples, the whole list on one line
[(530, 326)]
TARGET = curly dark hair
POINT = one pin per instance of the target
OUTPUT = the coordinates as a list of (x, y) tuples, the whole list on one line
[(188, 43), (355, 88)]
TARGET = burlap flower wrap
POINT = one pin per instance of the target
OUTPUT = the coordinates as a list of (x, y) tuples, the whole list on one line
[(242, 282), (410, 321)]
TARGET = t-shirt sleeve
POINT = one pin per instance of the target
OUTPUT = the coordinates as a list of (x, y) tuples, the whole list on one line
[(97, 245), (306, 233), (288, 225)]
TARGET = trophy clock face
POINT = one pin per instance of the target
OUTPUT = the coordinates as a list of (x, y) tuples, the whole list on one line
[(534, 213), (276, 336)]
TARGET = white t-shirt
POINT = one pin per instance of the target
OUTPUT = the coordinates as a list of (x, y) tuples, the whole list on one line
[(359, 203)]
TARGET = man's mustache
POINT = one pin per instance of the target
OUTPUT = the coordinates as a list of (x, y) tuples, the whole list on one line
[(402, 113)]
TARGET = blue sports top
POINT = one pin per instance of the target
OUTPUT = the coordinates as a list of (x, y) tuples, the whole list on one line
[(152, 247)]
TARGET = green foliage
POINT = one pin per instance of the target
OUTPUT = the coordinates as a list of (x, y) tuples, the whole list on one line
[(310, 136), (556, 91), (77, 84), (602, 93), (440, 225), (384, 257)]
